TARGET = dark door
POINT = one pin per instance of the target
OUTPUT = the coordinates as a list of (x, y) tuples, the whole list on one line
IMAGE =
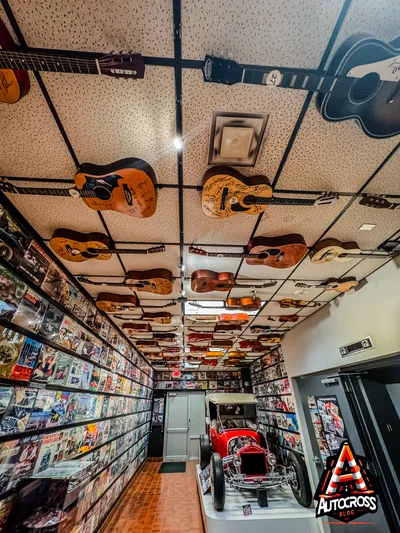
[(156, 440)]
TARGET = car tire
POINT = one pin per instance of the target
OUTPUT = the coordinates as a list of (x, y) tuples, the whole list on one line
[(301, 488), (217, 482), (205, 451)]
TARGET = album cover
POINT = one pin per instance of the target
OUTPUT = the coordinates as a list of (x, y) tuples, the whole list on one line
[(105, 326), (80, 308), (86, 375), (5, 397), (102, 381), (28, 454), (13, 239), (54, 282), (90, 315), (59, 408), (68, 333), (104, 355), (42, 410), (105, 405), (61, 371), (113, 337), (35, 264), (110, 358), (291, 422), (45, 365), (11, 344), (9, 452), (51, 323), (31, 311), (75, 373), (11, 292), (76, 405), (98, 321), (74, 442), (49, 451), (82, 407), (90, 436), (99, 406), (18, 411), (109, 382), (69, 295), (26, 362)]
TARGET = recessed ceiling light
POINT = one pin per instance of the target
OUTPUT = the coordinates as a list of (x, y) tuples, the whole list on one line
[(178, 143), (367, 227)]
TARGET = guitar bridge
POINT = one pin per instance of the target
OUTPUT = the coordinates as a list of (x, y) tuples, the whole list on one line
[(128, 195)]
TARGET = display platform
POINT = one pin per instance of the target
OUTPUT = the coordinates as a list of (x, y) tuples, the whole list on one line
[(283, 513)]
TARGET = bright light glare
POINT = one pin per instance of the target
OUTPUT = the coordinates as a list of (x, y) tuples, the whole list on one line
[(178, 143)]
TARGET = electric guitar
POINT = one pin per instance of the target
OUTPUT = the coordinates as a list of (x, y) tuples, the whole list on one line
[(227, 192), (77, 247), (379, 202), (112, 303), (159, 318), (208, 280), (156, 281), (14, 80), (286, 303), (361, 83), (276, 252), (126, 186), (332, 284)]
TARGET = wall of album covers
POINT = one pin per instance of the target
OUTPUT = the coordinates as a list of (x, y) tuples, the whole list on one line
[(72, 387), (275, 405), (213, 381)]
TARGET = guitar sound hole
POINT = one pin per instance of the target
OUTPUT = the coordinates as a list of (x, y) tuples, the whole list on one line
[(102, 193), (90, 252), (364, 88)]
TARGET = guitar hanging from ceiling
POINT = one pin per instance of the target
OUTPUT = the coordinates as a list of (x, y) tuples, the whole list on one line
[(379, 202), (155, 281), (14, 80), (159, 318), (276, 252), (331, 284), (77, 247), (126, 186), (207, 281), (361, 83), (335, 250), (114, 303), (227, 192)]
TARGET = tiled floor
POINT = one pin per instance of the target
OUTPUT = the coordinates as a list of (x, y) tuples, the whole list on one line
[(159, 503)]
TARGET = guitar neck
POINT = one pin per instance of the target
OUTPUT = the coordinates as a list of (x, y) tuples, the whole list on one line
[(127, 251), (258, 200), (297, 79), (72, 191), (44, 62)]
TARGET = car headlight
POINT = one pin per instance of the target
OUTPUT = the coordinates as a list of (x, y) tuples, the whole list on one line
[(272, 459), (237, 461)]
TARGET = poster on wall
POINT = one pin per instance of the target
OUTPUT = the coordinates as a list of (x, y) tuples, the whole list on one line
[(158, 412), (328, 424)]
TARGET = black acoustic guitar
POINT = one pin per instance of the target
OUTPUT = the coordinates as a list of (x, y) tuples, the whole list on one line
[(361, 83)]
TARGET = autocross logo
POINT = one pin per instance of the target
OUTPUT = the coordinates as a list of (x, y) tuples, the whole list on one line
[(346, 489)]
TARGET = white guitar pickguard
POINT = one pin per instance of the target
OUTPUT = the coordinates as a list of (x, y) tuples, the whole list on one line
[(388, 69)]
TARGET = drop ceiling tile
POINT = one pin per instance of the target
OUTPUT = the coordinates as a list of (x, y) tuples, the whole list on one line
[(347, 227), (144, 26), (200, 228), (288, 289), (310, 222), (195, 262), (332, 156), (263, 294), (387, 179), (333, 269), (264, 272), (107, 120), (70, 213), (31, 144), (200, 100), (308, 311), (168, 259), (94, 267), (366, 267), (147, 303), (277, 32), (274, 309), (163, 226)]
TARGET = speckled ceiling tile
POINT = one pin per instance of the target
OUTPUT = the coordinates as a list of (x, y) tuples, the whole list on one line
[(201, 99), (31, 144), (332, 156), (97, 25), (108, 119), (387, 180), (277, 32)]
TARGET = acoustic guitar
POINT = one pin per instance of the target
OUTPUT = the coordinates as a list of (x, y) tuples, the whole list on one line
[(158, 318), (361, 83), (227, 328), (287, 303), (112, 303), (260, 329), (199, 338), (207, 281), (379, 202), (251, 346), (334, 250), (14, 80), (126, 186), (269, 339), (227, 192), (223, 343), (156, 281), (236, 355), (234, 318), (332, 284), (247, 303), (77, 247), (131, 329), (276, 252)]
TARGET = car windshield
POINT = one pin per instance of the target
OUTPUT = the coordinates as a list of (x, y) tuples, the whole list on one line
[(236, 416)]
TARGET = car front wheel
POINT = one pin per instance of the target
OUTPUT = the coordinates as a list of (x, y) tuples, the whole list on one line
[(205, 451), (217, 482), (300, 483)]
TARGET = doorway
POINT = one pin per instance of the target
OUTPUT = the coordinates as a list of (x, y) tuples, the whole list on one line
[(184, 423)]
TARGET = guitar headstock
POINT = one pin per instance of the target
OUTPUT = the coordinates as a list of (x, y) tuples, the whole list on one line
[(379, 202), (122, 65), (6, 186), (220, 70), (156, 249), (197, 251), (327, 198)]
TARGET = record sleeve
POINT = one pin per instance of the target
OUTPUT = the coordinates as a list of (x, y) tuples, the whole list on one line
[(90, 315), (42, 410), (35, 264), (51, 323), (81, 306), (76, 405), (11, 344), (68, 333), (69, 295), (18, 411), (31, 311), (14, 241), (61, 371), (28, 454), (5, 397), (86, 375), (45, 365), (75, 373), (49, 451), (26, 362), (9, 452), (59, 409), (11, 292), (54, 282)]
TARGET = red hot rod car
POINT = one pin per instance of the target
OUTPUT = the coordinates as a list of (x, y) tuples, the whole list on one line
[(238, 453)]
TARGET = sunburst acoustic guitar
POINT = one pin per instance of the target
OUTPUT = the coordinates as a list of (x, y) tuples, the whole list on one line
[(126, 186), (227, 192), (14, 80)]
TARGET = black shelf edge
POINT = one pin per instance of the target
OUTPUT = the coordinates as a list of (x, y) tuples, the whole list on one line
[(276, 411)]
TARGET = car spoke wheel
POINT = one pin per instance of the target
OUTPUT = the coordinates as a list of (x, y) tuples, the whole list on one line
[(217, 482), (299, 483), (204, 451)]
